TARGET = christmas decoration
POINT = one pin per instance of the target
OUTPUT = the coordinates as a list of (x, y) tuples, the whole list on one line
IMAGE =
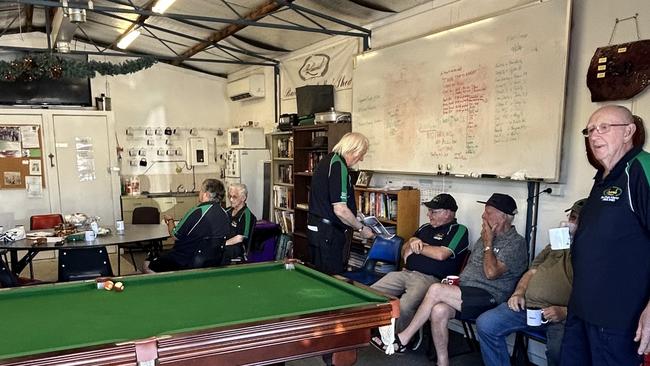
[(46, 65)]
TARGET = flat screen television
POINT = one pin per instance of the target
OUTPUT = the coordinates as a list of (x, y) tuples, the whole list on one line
[(64, 91), (312, 99)]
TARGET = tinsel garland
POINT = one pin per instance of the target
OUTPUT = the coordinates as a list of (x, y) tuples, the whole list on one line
[(46, 65)]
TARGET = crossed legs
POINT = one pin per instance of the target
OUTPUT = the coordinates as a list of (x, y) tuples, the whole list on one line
[(439, 304)]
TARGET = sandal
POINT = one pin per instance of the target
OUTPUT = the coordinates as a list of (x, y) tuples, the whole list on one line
[(397, 346)]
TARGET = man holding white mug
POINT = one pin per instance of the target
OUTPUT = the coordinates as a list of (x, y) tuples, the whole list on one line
[(540, 299)]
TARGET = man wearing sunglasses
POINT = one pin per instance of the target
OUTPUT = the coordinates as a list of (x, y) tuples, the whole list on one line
[(608, 320)]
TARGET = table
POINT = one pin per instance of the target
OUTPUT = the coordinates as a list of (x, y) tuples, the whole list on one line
[(132, 234), (247, 314)]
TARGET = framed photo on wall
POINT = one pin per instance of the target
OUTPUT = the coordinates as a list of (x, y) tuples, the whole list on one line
[(364, 178)]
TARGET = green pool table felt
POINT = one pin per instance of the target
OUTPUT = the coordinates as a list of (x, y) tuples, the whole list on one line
[(65, 316)]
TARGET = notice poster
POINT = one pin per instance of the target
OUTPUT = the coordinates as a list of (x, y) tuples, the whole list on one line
[(10, 142)]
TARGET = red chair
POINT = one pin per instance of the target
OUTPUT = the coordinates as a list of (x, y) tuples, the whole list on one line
[(48, 221), (40, 222)]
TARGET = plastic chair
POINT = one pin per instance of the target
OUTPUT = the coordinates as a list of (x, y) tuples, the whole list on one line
[(520, 349), (141, 216), (41, 222), (382, 250), (83, 264), (48, 221)]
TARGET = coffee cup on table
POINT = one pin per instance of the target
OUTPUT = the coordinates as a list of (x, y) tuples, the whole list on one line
[(89, 235), (451, 280), (119, 226), (535, 317)]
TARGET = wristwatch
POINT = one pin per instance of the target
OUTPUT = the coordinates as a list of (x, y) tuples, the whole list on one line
[(486, 249)]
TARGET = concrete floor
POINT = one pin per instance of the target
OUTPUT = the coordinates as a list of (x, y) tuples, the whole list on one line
[(46, 270)]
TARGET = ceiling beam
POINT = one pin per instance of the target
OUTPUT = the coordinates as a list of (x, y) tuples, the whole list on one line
[(265, 9), (29, 18), (138, 22)]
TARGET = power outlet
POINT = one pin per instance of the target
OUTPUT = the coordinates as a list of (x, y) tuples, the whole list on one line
[(557, 189)]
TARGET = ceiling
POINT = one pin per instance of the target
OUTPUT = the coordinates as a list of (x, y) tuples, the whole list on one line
[(212, 36)]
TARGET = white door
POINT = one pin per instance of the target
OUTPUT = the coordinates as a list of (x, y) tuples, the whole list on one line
[(82, 163)]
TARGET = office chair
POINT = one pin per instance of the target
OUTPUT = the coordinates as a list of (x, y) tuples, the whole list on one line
[(141, 216), (83, 263), (41, 222), (261, 247), (382, 250)]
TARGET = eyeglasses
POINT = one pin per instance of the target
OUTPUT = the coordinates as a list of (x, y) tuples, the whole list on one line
[(436, 211), (601, 128)]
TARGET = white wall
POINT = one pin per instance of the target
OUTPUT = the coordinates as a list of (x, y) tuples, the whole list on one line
[(159, 97), (593, 21), (260, 111)]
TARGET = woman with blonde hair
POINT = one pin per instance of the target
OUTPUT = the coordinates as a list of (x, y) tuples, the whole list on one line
[(332, 207)]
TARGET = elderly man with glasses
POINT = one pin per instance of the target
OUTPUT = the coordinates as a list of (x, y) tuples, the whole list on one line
[(436, 250), (609, 308), (498, 259)]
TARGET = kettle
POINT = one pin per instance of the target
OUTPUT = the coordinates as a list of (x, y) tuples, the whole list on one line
[(103, 103)]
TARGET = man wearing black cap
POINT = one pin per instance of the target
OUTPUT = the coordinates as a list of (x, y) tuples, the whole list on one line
[(498, 259), (436, 250), (546, 286)]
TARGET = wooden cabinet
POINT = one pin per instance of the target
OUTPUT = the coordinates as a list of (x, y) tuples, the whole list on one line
[(311, 143), (172, 205), (282, 178)]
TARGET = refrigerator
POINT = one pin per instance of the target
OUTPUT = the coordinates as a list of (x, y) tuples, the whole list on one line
[(247, 166)]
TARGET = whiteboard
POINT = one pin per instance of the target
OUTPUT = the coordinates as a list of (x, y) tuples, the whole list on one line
[(485, 98)]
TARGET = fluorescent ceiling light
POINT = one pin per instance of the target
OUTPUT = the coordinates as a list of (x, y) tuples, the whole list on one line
[(162, 5), (128, 39)]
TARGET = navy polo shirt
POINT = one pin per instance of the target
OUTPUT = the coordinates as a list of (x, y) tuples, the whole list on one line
[(208, 219), (331, 184), (452, 236), (242, 223), (611, 250)]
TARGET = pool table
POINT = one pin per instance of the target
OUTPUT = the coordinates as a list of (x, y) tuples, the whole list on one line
[(247, 314)]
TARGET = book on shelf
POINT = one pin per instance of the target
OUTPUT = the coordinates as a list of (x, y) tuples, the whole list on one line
[(283, 197), (377, 227)]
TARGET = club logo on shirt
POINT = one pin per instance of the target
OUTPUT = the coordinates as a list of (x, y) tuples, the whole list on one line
[(611, 194), (439, 236)]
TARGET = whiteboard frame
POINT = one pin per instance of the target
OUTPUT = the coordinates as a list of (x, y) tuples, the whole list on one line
[(562, 112)]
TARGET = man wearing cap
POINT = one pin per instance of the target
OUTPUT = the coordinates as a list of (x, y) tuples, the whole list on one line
[(546, 285), (498, 259), (436, 250)]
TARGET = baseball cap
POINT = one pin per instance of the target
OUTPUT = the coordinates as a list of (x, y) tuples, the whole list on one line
[(577, 206), (502, 202), (444, 201)]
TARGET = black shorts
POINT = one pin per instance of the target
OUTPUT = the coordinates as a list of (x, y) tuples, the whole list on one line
[(475, 301), (164, 264)]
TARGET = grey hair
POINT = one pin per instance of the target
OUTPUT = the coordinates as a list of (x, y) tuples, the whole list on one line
[(509, 218), (352, 143), (215, 188), (241, 187)]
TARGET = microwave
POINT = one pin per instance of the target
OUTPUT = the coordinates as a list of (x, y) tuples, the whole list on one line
[(246, 138)]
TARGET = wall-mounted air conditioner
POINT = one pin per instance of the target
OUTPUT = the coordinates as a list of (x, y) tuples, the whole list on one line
[(249, 87)]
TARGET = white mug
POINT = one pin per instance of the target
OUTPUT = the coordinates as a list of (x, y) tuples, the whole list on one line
[(535, 317), (90, 235), (559, 238), (119, 226)]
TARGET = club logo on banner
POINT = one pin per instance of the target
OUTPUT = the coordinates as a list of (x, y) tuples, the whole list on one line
[(328, 66)]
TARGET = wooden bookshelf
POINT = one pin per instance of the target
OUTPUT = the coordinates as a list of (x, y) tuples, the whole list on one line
[(282, 176), (309, 148), (400, 208)]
